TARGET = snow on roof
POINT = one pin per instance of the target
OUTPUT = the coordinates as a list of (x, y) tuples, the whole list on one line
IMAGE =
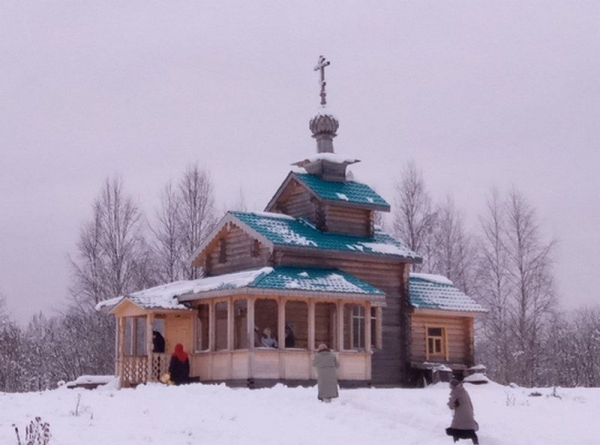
[(165, 296), (332, 157), (170, 296), (315, 280), (440, 279), (348, 191), (437, 292), (301, 233)]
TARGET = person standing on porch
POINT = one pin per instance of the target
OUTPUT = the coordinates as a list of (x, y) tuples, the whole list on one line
[(326, 363), (179, 368), (267, 340)]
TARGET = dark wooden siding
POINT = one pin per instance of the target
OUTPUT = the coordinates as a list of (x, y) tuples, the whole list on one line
[(349, 220), (238, 253), (297, 202)]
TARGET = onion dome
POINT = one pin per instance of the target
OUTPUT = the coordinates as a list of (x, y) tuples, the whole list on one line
[(323, 127)]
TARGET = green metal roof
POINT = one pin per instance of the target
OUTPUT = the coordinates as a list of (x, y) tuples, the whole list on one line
[(287, 231), (436, 292), (350, 191), (314, 280)]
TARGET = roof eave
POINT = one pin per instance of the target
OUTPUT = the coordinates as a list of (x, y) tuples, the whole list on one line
[(352, 253), (449, 312), (376, 299), (356, 205)]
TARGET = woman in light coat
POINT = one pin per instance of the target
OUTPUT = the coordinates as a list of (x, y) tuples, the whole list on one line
[(463, 420), (326, 364)]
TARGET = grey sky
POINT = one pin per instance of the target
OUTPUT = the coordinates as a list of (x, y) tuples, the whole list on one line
[(477, 93)]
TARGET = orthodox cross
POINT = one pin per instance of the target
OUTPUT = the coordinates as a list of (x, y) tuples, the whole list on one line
[(321, 64)]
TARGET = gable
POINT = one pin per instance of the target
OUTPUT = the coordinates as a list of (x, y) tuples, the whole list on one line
[(238, 239), (346, 194)]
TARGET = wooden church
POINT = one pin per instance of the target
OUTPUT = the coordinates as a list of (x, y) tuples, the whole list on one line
[(312, 268)]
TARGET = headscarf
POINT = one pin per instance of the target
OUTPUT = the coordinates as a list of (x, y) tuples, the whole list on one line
[(179, 353)]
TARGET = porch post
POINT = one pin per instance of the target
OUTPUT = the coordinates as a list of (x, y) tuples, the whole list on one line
[(212, 326), (230, 315), (281, 322), (340, 326), (281, 335), (250, 327), (149, 345), (368, 340), (120, 348), (311, 325)]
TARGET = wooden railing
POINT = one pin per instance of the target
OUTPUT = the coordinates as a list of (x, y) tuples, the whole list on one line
[(135, 370)]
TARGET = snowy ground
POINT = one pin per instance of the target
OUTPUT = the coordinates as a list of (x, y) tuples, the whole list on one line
[(210, 414)]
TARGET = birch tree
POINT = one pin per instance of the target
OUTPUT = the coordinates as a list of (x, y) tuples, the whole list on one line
[(414, 215), (196, 215)]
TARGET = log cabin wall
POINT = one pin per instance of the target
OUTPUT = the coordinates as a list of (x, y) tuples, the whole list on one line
[(241, 252), (298, 204), (349, 220), (390, 365), (459, 338)]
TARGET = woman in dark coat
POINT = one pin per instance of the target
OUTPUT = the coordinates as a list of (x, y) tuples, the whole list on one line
[(463, 420), (179, 368), (326, 364)]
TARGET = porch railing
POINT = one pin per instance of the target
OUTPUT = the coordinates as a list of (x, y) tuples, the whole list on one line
[(135, 370)]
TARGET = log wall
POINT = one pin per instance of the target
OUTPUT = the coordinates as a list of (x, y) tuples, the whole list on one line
[(238, 254), (459, 338), (348, 220)]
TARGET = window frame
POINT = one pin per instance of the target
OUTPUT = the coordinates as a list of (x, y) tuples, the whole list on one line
[(441, 339)]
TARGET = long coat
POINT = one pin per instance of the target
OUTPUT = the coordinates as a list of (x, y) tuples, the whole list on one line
[(326, 364), (180, 371), (460, 402)]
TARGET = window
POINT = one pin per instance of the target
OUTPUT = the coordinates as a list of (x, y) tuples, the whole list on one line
[(436, 342), (222, 251), (354, 326), (255, 248)]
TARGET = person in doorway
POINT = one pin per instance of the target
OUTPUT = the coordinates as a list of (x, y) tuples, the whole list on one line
[(463, 419), (179, 368), (290, 339), (158, 342), (326, 364), (267, 340)]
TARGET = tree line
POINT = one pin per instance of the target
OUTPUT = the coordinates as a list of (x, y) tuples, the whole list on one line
[(505, 263), (119, 251)]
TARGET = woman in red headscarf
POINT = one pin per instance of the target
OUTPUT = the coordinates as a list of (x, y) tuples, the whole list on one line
[(179, 368)]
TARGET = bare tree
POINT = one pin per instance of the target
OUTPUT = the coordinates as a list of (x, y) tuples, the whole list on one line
[(452, 253), (167, 243), (494, 290), (515, 282), (414, 216), (195, 214), (529, 272), (112, 256)]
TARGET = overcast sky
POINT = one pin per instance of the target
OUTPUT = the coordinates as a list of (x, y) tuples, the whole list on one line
[(478, 94)]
